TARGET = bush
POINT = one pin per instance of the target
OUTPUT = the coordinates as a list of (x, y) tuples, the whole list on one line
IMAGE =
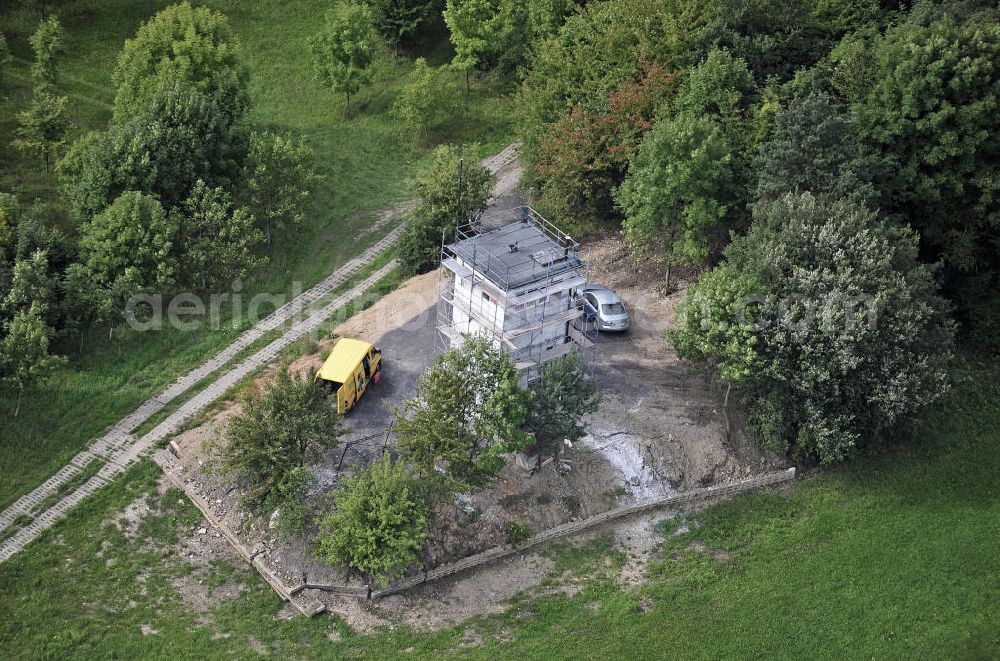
[(377, 527), (132, 236), (466, 414), (827, 315), (271, 442), (517, 533)]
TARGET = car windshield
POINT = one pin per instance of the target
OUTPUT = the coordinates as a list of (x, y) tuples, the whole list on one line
[(613, 308)]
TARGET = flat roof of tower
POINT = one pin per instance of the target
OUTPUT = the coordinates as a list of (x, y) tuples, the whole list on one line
[(518, 253)]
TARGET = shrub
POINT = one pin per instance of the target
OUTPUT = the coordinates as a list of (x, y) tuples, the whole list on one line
[(272, 441), (827, 315), (377, 527)]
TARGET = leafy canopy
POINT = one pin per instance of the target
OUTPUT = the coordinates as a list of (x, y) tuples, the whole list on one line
[(345, 48), (25, 361), (182, 45), (377, 526), (814, 149), (279, 174), (133, 238), (41, 130), (279, 432), (827, 315), (466, 414), (442, 200), (47, 43), (679, 191), (216, 243), (559, 397)]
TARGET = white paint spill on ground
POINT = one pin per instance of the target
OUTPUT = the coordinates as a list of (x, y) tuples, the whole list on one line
[(625, 452)]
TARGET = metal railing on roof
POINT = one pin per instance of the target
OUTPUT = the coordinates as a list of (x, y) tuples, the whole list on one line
[(496, 269)]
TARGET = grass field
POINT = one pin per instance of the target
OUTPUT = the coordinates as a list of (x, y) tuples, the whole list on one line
[(889, 557), (364, 161)]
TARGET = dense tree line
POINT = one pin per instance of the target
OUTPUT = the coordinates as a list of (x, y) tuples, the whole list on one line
[(177, 192), (851, 144)]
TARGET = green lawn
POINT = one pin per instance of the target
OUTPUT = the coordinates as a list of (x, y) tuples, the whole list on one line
[(888, 557), (365, 165)]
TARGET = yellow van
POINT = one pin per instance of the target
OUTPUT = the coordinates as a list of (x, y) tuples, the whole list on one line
[(351, 367)]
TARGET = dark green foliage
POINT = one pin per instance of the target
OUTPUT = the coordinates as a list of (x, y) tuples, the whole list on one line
[(377, 526), (41, 130), (84, 302), (680, 196), (31, 285), (466, 414), (399, 20), (5, 56), (931, 112), (592, 91), (558, 399), (215, 243), (815, 149), (839, 330), (25, 361), (442, 201), (131, 238), (280, 431), (180, 137)]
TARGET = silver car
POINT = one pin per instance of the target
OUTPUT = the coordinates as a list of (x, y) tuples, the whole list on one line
[(602, 307)]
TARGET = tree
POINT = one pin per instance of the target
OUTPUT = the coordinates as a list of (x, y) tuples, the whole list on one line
[(31, 285), (24, 353), (181, 136), (814, 149), (377, 527), (47, 44), (5, 56), (471, 23), (186, 46), (679, 194), (131, 236), (721, 86), (215, 242), (558, 399), (87, 175), (84, 301), (41, 130), (827, 316), (426, 99), (441, 202), (593, 90), (279, 175), (398, 19), (466, 414), (10, 209), (931, 116), (345, 49), (279, 432)]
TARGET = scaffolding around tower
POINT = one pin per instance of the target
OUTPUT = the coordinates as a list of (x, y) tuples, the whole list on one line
[(513, 277)]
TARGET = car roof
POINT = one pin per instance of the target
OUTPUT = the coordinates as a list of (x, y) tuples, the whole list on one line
[(344, 358), (602, 294)]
